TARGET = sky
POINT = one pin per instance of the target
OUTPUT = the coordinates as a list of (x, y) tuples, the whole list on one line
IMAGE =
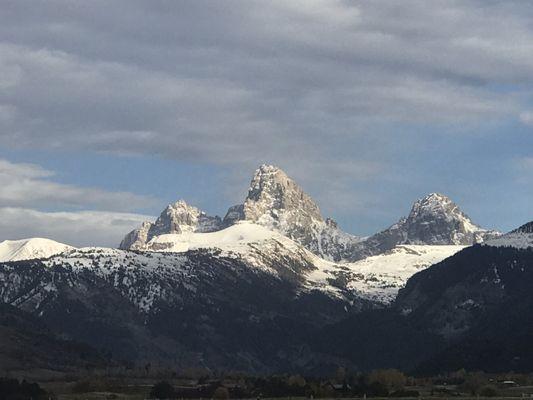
[(111, 110)]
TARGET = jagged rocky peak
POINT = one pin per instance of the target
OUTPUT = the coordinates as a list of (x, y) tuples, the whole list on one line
[(436, 219), (277, 202), (272, 194), (433, 220), (181, 217), (178, 217)]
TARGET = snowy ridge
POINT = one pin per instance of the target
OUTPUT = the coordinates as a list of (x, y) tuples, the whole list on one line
[(376, 279), (379, 278), (170, 261), (235, 238), (521, 238), (27, 249)]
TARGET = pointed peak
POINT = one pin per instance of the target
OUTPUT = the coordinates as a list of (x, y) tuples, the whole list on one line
[(435, 198), (268, 168), (435, 203), (272, 191), (180, 204), (268, 172)]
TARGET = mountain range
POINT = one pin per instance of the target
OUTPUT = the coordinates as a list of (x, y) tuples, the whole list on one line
[(274, 286), (276, 202)]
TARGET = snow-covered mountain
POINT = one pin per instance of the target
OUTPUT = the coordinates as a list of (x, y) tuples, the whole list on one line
[(278, 203), (376, 279), (433, 220), (179, 217), (206, 296), (274, 201), (207, 287), (27, 249), (379, 278), (204, 305)]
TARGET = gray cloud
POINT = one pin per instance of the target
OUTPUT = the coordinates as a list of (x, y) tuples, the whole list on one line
[(527, 117), (188, 80), (84, 228), (309, 85), (29, 185)]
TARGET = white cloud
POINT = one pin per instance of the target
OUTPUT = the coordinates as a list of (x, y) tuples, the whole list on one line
[(527, 117), (84, 228), (30, 185)]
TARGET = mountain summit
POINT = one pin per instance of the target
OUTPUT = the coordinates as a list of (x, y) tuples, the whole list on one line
[(274, 198), (277, 202), (433, 220), (178, 217)]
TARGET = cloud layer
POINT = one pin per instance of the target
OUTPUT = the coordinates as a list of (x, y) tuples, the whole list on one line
[(29, 185), (80, 229), (243, 80), (27, 191), (340, 93)]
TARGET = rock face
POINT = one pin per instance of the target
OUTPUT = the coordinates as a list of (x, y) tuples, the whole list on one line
[(137, 238), (275, 201), (175, 218), (235, 213), (436, 219), (433, 220)]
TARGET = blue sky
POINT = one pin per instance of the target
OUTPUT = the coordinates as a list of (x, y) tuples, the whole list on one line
[(108, 112)]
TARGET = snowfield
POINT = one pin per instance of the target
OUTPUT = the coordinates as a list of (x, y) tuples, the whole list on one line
[(234, 238), (379, 278), (27, 249)]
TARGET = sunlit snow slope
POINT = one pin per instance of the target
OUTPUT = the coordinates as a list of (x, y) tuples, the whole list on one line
[(377, 278), (27, 249)]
